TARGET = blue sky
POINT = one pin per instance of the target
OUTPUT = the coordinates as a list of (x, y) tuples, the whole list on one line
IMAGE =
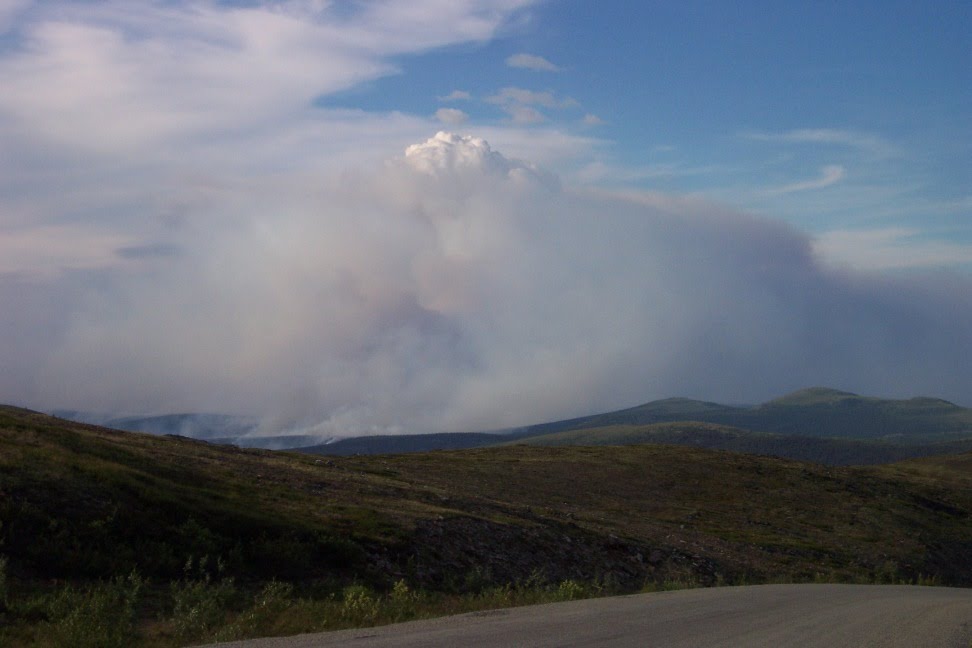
[(382, 215), (849, 117)]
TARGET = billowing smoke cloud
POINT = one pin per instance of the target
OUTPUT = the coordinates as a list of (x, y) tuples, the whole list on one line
[(454, 288)]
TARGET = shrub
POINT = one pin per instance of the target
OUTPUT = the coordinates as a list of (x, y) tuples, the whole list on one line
[(402, 601), (198, 604), (360, 605), (498, 596), (269, 605), (569, 590), (102, 616)]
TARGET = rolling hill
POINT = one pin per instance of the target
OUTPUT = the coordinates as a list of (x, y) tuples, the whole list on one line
[(814, 412), (832, 452), (82, 504), (821, 425)]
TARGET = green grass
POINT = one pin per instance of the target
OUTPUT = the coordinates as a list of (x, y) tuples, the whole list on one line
[(169, 541)]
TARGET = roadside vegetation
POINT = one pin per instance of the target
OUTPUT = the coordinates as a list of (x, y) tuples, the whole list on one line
[(120, 539), (127, 612)]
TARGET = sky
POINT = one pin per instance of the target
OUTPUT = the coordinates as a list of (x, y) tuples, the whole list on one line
[(371, 216)]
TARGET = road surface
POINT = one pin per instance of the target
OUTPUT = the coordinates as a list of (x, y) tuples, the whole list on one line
[(771, 616)]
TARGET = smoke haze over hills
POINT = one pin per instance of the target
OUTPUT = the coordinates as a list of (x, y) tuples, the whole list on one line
[(456, 289), (214, 207)]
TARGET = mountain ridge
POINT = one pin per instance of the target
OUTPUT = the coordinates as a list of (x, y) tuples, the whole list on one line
[(919, 425), (815, 411)]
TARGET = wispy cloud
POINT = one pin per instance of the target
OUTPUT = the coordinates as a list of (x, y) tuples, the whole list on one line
[(829, 175), (117, 76), (49, 250), (891, 248), (603, 172), (520, 103), (113, 109), (591, 119), (546, 99), (520, 114), (867, 142), (149, 251), (452, 116), (531, 62), (9, 10), (456, 95)]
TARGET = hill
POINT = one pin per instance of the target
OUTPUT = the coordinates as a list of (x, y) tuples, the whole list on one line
[(832, 452), (905, 428), (82, 505), (814, 412), (818, 424), (402, 443)]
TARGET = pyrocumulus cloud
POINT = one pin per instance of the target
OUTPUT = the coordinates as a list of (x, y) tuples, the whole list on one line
[(453, 288)]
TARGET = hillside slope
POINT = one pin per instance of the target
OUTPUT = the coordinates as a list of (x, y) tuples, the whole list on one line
[(79, 502)]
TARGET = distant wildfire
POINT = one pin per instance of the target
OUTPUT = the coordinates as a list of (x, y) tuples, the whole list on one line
[(456, 289)]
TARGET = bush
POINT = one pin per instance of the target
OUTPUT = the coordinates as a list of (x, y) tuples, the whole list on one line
[(267, 609), (569, 590), (101, 616), (360, 605), (198, 604), (403, 602)]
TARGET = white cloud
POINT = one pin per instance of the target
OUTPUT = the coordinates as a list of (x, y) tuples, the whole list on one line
[(531, 62), (447, 153), (893, 248), (592, 120), (525, 115), (117, 76), (545, 146), (127, 118), (866, 142), (458, 157), (519, 104), (456, 95), (600, 171), (546, 99), (451, 116), (829, 175)]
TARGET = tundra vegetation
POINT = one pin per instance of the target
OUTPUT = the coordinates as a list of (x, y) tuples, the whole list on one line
[(112, 538)]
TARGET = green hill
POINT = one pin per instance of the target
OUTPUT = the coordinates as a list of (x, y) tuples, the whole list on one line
[(174, 540), (666, 410), (833, 452), (815, 412), (821, 412), (814, 396)]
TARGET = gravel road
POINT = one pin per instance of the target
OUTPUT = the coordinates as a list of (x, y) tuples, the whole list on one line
[(770, 616)]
